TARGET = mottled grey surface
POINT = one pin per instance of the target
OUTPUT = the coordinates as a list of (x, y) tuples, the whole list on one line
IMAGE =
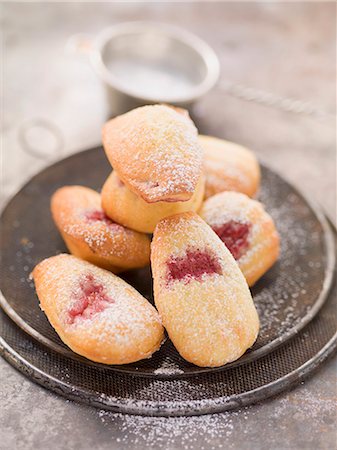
[(285, 48), (33, 418)]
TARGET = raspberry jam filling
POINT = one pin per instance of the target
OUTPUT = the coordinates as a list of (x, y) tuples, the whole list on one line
[(99, 216), (89, 300), (193, 265), (235, 236)]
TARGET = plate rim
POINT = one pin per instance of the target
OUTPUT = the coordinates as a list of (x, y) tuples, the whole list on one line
[(232, 402), (329, 245)]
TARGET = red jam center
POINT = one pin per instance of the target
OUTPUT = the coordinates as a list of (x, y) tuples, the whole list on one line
[(89, 300), (235, 237), (99, 216), (193, 265)]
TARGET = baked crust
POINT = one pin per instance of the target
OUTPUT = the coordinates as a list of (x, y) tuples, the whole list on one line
[(263, 240), (229, 167), (101, 242), (209, 313), (155, 152), (126, 330), (130, 210)]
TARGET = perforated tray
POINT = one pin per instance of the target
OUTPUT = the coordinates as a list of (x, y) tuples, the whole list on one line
[(197, 394), (287, 297)]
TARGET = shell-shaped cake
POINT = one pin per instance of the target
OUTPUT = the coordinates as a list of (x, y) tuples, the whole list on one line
[(229, 167), (91, 235), (96, 313), (200, 293), (246, 229), (155, 152), (130, 210)]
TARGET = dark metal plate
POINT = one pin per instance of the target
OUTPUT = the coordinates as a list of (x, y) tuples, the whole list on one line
[(287, 297), (202, 394)]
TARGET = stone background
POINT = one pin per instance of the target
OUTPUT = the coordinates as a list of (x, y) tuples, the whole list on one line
[(285, 48)]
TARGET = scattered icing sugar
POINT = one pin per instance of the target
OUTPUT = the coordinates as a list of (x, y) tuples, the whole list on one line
[(309, 405), (78, 214), (168, 367), (229, 179), (281, 300), (205, 432), (233, 207), (193, 265), (229, 167), (285, 301), (232, 320), (237, 206), (255, 237), (230, 429), (96, 229), (174, 165), (131, 319)]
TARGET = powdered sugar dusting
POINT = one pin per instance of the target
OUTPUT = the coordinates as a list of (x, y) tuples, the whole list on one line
[(168, 367), (209, 307), (283, 305), (126, 319), (79, 217), (237, 207), (176, 432), (229, 167), (164, 155), (229, 172), (109, 238), (283, 296), (230, 429), (227, 207)]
